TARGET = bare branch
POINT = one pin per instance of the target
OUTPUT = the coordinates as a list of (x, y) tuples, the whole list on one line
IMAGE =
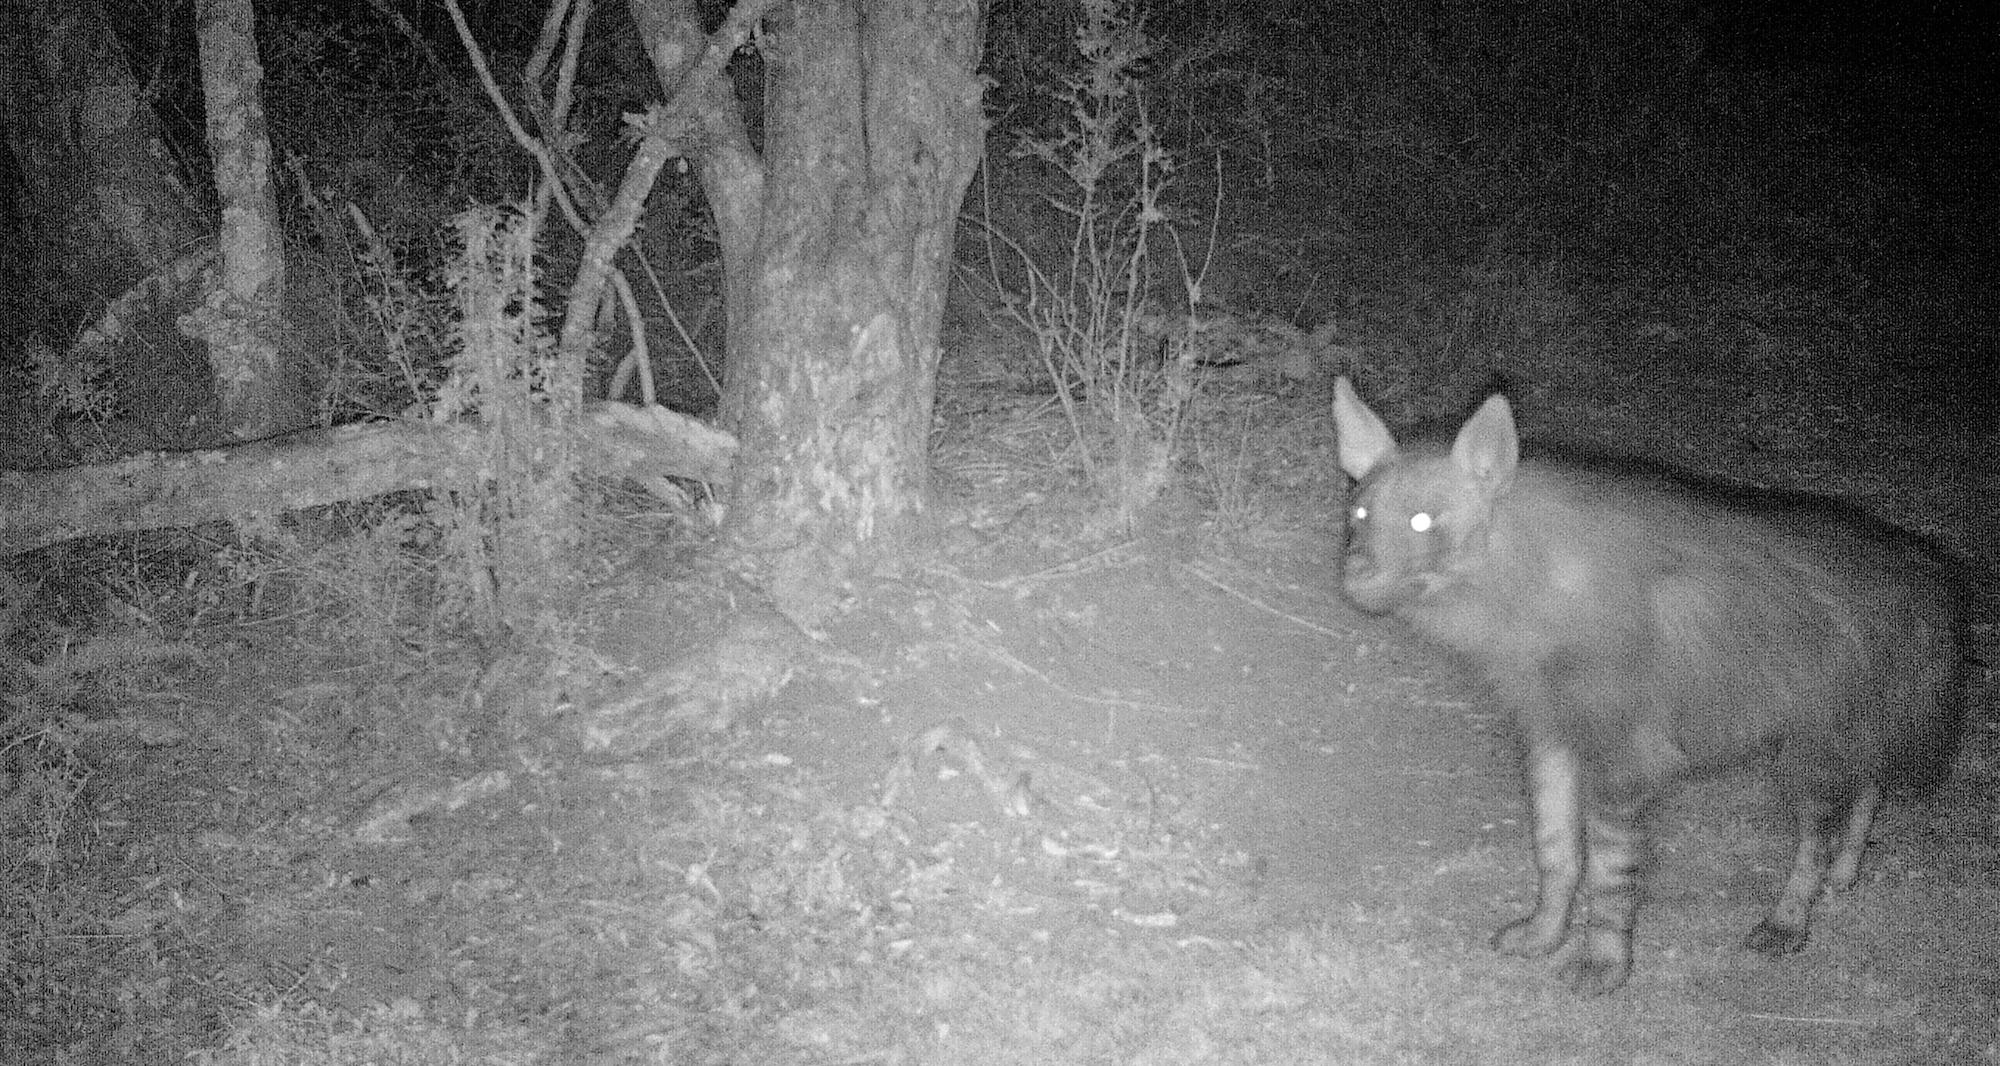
[(640, 358), (417, 40), (535, 148), (545, 45)]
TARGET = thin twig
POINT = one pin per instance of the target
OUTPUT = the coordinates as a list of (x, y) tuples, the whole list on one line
[(544, 160), (1011, 661), (1821, 1019), (1261, 605), (640, 357), (674, 318), (1070, 568)]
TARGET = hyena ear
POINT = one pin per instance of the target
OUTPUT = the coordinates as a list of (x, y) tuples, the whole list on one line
[(1488, 447), (1365, 442)]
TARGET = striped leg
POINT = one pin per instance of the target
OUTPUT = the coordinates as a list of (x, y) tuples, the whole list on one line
[(1555, 785), (1603, 953)]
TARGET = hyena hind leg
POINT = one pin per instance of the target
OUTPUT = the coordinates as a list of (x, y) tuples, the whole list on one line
[(1784, 930)]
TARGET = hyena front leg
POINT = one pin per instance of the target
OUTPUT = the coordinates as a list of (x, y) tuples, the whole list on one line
[(1615, 849), (1783, 931), (1555, 784)]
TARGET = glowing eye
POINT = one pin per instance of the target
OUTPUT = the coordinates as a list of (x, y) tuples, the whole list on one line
[(1360, 513), (1421, 522)]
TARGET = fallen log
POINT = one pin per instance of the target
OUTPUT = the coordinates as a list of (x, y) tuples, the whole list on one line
[(160, 490)]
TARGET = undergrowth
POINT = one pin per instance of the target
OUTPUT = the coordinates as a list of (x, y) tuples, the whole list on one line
[(422, 587), (1114, 316)]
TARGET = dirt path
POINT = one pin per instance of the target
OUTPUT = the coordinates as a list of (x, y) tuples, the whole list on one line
[(1354, 773)]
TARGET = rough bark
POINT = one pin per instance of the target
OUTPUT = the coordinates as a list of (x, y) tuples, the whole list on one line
[(120, 240), (169, 489), (104, 209), (257, 385), (836, 246), (100, 188)]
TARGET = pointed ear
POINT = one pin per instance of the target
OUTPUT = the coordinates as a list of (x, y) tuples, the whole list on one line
[(1488, 447), (1365, 442)]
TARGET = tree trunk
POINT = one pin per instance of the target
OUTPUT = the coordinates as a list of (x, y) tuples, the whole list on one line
[(123, 247), (240, 319), (104, 206), (100, 191), (837, 244)]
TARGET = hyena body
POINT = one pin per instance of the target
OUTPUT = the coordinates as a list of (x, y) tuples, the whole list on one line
[(1643, 632)]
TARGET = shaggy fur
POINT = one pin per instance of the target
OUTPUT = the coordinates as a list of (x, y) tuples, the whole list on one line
[(1644, 630)]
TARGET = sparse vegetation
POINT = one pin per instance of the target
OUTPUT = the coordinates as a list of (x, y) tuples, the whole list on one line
[(518, 769), (1114, 313)]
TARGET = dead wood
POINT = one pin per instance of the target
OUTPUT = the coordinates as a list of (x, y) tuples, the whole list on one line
[(159, 490)]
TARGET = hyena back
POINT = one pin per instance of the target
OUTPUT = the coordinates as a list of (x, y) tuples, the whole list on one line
[(1644, 631)]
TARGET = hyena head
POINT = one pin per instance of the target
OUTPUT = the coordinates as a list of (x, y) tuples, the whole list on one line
[(1418, 521)]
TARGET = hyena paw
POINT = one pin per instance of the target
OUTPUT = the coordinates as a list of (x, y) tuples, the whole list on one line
[(1591, 973), (1529, 938), (1770, 938)]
